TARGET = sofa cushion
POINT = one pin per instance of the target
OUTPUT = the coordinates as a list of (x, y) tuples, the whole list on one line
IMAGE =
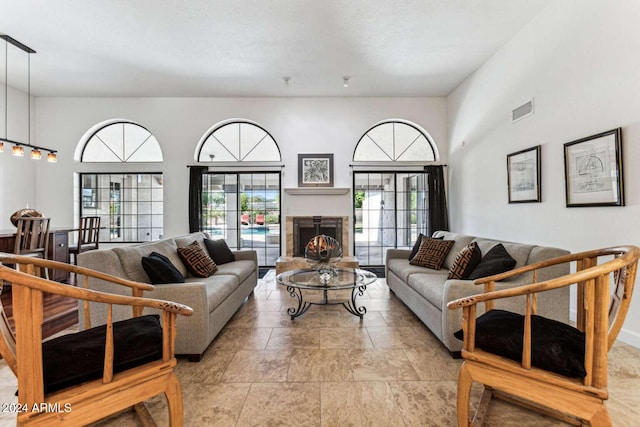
[(240, 269), (197, 260), (496, 261), (460, 241), (555, 346), (466, 261), (432, 253), (75, 358), (219, 251), (131, 256), (430, 285), (186, 240), (518, 251), (402, 269), (160, 269), (218, 288)]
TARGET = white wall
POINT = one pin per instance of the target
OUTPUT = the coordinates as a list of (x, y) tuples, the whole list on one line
[(579, 59), (299, 125), (17, 174)]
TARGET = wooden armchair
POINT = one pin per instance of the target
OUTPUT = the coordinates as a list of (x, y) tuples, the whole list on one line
[(80, 378), (539, 363)]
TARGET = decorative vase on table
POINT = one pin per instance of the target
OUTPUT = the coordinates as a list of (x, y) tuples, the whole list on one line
[(21, 213), (324, 252)]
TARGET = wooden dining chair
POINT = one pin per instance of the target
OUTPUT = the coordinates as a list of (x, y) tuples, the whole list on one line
[(88, 237), (32, 237), (79, 378), (544, 365)]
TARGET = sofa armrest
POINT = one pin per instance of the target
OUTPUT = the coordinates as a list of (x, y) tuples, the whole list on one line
[(395, 254), (249, 255), (193, 332), (398, 253)]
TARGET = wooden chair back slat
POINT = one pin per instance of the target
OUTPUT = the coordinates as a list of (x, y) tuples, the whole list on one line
[(89, 230), (32, 236)]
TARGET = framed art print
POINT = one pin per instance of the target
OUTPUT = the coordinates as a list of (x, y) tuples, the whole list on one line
[(593, 170), (523, 176), (315, 170)]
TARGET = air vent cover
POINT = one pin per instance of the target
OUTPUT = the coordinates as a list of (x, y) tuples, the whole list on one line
[(522, 111)]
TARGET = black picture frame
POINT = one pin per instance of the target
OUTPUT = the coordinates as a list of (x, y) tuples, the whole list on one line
[(315, 170), (523, 176), (593, 170)]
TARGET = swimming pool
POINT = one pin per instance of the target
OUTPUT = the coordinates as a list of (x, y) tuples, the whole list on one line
[(245, 231)]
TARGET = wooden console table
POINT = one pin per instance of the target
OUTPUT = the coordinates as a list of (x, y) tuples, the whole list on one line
[(59, 312)]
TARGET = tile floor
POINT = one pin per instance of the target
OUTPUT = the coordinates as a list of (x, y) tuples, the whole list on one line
[(327, 368)]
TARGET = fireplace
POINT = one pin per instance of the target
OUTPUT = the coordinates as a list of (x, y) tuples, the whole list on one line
[(301, 229)]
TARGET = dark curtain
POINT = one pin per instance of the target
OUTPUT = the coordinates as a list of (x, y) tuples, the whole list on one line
[(195, 197), (438, 216)]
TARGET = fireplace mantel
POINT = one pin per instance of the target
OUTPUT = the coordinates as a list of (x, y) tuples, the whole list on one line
[(314, 191)]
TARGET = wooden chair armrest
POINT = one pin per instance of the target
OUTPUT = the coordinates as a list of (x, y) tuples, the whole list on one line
[(45, 285), (547, 285), (56, 265)]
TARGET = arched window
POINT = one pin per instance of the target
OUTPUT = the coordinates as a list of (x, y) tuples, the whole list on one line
[(391, 198), (120, 142), (129, 203), (395, 140), (238, 141), (241, 206)]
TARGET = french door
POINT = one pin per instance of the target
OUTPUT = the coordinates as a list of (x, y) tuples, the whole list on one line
[(390, 210), (244, 209)]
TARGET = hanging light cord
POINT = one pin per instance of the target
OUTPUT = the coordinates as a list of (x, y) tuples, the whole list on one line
[(28, 98), (6, 89)]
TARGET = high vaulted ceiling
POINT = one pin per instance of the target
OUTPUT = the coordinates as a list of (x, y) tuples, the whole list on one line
[(207, 48)]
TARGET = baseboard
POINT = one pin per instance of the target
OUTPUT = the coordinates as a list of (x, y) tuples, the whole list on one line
[(625, 335), (629, 337)]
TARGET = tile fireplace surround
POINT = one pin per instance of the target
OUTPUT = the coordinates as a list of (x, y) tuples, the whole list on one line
[(289, 227)]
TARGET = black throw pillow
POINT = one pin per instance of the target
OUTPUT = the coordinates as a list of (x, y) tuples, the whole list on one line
[(161, 270), (555, 346), (496, 261), (416, 245), (219, 251)]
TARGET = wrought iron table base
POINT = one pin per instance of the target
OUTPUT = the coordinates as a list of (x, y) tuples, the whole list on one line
[(349, 304)]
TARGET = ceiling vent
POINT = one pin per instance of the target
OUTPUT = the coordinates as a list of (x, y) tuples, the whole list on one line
[(522, 111)]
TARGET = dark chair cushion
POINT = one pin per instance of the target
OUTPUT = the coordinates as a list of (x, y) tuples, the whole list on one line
[(497, 260), (219, 251), (555, 346), (75, 358), (161, 270), (466, 261)]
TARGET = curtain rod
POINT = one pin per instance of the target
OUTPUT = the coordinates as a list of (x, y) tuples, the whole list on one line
[(236, 166)]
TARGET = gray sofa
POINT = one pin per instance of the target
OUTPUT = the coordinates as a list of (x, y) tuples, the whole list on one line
[(427, 292), (214, 299)]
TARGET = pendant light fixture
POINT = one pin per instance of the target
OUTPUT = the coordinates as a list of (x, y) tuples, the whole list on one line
[(18, 147)]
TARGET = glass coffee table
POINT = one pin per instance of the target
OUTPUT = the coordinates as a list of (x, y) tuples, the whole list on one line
[(326, 280)]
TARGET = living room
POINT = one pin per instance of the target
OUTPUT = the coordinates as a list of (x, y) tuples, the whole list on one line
[(577, 61)]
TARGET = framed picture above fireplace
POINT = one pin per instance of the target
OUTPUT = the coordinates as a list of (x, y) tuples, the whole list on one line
[(315, 170)]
